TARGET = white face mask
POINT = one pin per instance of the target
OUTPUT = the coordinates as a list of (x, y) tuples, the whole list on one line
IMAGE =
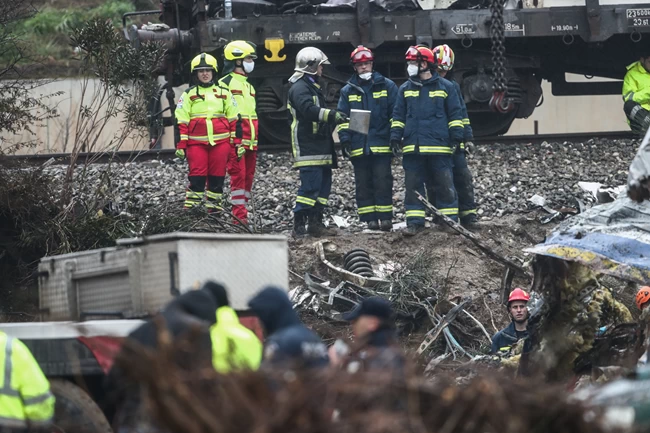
[(412, 70), (365, 76), (248, 67)]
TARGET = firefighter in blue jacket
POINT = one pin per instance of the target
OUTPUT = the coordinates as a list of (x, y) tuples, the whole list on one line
[(312, 126), (370, 154), (428, 119), (463, 181)]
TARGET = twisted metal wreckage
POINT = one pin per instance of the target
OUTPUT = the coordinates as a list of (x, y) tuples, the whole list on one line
[(577, 327)]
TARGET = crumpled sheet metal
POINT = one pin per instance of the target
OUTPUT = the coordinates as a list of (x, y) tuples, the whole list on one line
[(639, 173), (612, 239)]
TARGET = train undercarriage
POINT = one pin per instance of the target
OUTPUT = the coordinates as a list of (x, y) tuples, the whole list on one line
[(538, 43)]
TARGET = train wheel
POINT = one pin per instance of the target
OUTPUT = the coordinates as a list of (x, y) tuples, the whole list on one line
[(75, 411), (272, 115), (486, 123)]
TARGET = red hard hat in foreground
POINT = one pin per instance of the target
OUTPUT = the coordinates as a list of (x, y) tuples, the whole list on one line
[(642, 297), (518, 295)]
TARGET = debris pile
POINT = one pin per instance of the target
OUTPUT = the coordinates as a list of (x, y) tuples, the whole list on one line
[(551, 171), (294, 400), (448, 331)]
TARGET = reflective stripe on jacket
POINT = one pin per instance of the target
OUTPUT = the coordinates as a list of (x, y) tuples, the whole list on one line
[(468, 133), (206, 115), (636, 85), (244, 94), (25, 397), (311, 135), (427, 116), (234, 347), (380, 101)]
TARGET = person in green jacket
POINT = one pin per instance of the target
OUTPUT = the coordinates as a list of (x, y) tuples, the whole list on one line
[(234, 346), (636, 93), (26, 403)]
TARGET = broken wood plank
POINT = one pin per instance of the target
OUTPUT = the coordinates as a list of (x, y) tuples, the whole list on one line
[(476, 239)]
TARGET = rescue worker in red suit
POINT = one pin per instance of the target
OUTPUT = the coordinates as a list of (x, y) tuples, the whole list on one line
[(239, 61), (208, 124)]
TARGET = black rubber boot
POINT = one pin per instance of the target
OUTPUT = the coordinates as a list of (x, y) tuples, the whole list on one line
[(413, 230), (373, 225), (315, 226), (300, 223), (386, 225)]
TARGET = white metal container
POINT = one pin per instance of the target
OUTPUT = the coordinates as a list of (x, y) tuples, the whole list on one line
[(140, 275)]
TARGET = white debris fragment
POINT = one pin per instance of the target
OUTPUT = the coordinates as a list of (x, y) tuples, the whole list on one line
[(341, 222), (537, 200)]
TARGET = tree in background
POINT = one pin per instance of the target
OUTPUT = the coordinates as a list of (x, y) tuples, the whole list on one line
[(20, 109)]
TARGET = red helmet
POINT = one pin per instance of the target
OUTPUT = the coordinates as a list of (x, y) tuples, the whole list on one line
[(518, 295), (361, 54), (420, 54), (444, 57), (642, 297)]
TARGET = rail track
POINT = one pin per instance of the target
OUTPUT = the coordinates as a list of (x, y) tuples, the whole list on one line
[(166, 154)]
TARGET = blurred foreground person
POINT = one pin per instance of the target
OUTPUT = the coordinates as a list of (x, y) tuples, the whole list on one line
[(234, 346), (187, 316), (288, 341), (26, 403), (373, 327)]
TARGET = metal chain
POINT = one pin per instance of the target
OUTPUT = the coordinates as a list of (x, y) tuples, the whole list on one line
[(497, 34)]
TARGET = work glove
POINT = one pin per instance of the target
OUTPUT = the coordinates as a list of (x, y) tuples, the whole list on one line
[(345, 148), (469, 148), (396, 147), (337, 117), (241, 150), (180, 153)]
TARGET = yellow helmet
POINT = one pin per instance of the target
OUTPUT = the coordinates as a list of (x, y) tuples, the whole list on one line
[(236, 50), (204, 61)]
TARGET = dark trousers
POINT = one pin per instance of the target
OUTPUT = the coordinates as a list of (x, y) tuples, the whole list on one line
[(438, 171), (464, 184), (315, 188), (374, 187)]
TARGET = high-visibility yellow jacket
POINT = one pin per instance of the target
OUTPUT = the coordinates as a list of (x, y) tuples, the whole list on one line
[(234, 347), (636, 85), (25, 397), (206, 115), (244, 94)]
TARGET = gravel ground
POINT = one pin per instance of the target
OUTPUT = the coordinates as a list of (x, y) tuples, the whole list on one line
[(506, 177)]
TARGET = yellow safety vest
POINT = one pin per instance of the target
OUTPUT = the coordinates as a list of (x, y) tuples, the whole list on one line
[(636, 85), (243, 93), (25, 397), (234, 347)]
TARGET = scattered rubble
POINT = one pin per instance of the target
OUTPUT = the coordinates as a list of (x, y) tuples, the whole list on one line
[(551, 171)]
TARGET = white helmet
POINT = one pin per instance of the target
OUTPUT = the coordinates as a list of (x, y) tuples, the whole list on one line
[(307, 61)]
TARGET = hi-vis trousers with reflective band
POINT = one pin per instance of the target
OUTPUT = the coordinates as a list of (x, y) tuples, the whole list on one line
[(207, 163), (241, 174), (25, 398), (463, 182), (439, 170), (374, 187), (315, 188)]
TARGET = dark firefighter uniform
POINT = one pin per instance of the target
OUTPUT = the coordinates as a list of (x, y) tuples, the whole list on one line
[(208, 122), (312, 126), (26, 403), (463, 180), (370, 154), (428, 118)]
